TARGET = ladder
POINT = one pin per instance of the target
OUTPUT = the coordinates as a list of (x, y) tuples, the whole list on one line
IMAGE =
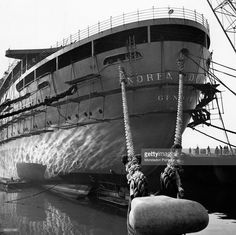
[(131, 48)]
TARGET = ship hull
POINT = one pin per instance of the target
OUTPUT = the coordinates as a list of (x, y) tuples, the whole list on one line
[(82, 132), (95, 148)]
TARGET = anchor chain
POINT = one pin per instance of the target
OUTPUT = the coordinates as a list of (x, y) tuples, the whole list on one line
[(135, 177), (170, 178)]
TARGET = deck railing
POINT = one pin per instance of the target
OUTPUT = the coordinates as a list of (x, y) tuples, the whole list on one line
[(136, 16)]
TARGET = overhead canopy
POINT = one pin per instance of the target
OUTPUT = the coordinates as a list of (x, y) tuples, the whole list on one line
[(22, 53)]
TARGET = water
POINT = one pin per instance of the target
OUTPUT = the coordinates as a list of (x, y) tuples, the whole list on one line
[(31, 212), (46, 213)]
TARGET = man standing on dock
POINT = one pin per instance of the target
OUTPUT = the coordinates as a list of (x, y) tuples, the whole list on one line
[(197, 151), (221, 150), (208, 151)]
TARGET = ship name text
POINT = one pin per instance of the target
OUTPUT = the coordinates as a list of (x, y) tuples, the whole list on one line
[(163, 77)]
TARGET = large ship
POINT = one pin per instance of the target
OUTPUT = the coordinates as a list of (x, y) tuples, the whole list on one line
[(61, 107)]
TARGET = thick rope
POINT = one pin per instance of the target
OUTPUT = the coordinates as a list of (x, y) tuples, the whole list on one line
[(128, 134), (210, 74), (136, 179), (179, 118), (170, 179)]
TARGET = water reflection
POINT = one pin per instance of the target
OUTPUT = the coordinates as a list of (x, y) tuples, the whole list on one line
[(49, 214), (28, 212)]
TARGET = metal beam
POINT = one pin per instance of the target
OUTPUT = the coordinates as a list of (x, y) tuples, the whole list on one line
[(225, 13)]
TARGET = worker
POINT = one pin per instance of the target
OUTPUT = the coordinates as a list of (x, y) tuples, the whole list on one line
[(208, 151)]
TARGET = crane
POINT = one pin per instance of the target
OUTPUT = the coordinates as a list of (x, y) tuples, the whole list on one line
[(225, 12)]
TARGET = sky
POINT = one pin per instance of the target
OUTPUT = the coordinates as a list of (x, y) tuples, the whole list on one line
[(41, 23)]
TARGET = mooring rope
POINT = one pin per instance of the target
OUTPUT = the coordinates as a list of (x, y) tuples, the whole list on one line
[(170, 178), (128, 134), (136, 179), (211, 74), (179, 118), (223, 129)]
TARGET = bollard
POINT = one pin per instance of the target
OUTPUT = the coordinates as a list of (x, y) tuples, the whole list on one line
[(162, 215)]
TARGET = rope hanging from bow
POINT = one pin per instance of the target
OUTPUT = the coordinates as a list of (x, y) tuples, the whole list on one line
[(135, 177), (170, 179)]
